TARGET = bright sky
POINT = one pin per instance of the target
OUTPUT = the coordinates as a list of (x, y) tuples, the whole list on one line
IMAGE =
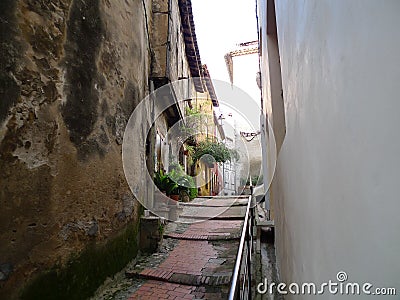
[(220, 26)]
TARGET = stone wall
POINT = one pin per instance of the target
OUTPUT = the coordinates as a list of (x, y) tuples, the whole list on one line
[(71, 73)]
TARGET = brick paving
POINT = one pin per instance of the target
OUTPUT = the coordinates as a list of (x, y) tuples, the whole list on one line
[(210, 230), (164, 290), (189, 257), (207, 212), (198, 263)]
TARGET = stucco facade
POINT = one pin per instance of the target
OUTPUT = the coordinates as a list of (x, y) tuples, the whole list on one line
[(330, 73)]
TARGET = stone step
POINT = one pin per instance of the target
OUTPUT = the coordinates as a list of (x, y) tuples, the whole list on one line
[(205, 218), (203, 237), (180, 278)]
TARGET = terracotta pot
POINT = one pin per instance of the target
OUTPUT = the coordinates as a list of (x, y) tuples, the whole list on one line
[(174, 197)]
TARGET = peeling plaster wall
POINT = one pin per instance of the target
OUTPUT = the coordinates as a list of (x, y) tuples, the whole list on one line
[(71, 73)]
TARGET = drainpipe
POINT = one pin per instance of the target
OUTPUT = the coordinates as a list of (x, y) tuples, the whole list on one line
[(264, 154)]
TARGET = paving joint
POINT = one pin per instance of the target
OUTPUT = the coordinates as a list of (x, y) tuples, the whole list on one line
[(195, 237), (211, 218), (181, 278)]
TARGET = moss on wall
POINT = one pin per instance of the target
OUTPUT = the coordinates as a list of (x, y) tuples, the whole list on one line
[(84, 273)]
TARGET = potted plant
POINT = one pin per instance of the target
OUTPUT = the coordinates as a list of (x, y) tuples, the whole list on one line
[(173, 193), (161, 180), (171, 186), (164, 183), (186, 186)]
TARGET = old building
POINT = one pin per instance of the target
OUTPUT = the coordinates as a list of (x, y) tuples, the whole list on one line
[(175, 57), (207, 128), (71, 73)]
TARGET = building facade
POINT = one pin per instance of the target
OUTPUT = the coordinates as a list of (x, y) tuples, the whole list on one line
[(329, 82), (71, 74)]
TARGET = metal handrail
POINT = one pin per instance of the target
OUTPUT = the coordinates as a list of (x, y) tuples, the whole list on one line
[(245, 236)]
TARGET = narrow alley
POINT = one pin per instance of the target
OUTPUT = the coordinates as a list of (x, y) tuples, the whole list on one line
[(195, 260), (199, 149)]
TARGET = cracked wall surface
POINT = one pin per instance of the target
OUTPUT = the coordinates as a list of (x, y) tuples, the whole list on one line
[(71, 73)]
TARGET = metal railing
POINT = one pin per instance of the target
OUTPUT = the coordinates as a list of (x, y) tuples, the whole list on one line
[(241, 276)]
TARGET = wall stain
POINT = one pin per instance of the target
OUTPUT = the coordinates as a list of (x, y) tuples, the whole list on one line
[(57, 69), (9, 55), (84, 36)]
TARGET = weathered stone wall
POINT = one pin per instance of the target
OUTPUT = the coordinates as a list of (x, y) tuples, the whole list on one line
[(178, 66), (71, 72), (159, 37), (168, 43), (170, 64)]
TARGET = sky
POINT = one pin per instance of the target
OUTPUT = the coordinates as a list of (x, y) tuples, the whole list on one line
[(221, 25)]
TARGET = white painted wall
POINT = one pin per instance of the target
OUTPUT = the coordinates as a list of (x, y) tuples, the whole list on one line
[(337, 200)]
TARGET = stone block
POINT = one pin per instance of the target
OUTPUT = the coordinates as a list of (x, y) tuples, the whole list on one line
[(150, 234)]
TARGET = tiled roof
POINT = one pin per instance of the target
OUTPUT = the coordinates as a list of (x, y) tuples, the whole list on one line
[(210, 86), (192, 49)]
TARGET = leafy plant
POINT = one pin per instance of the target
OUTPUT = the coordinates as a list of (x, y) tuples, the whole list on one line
[(192, 122), (193, 192), (234, 155), (196, 122), (219, 151), (190, 149), (161, 229), (160, 180), (185, 183), (164, 183), (245, 181), (255, 180), (192, 111)]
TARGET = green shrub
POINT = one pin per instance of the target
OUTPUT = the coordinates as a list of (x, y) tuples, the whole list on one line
[(184, 181), (219, 151)]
